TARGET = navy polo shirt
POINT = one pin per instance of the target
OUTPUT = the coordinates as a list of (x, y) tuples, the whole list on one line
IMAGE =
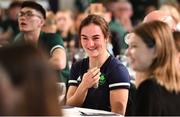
[(114, 75)]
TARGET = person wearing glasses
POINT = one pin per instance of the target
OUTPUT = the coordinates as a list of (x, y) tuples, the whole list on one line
[(31, 18)]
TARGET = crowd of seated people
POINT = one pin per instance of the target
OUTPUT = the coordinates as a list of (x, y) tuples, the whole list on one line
[(40, 48)]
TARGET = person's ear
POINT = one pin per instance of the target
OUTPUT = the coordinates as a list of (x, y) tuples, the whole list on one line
[(42, 22)]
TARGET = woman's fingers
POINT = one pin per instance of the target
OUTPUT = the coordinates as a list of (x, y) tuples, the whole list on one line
[(96, 77), (93, 72), (91, 77)]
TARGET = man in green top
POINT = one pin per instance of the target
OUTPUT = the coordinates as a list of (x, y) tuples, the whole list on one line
[(31, 18)]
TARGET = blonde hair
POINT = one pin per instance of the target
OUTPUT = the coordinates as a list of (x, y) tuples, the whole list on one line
[(50, 23), (172, 10), (70, 17), (157, 34)]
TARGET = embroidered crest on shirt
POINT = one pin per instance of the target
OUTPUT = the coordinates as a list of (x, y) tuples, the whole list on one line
[(102, 79)]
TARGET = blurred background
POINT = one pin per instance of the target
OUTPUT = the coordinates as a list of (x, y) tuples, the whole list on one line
[(139, 6), (65, 16)]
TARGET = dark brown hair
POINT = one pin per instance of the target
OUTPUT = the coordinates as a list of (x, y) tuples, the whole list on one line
[(36, 6), (30, 72), (176, 36), (97, 20)]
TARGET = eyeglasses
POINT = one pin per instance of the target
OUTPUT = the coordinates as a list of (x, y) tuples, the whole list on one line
[(28, 15)]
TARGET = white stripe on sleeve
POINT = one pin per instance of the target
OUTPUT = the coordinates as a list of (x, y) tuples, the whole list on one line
[(56, 46), (119, 84), (72, 81)]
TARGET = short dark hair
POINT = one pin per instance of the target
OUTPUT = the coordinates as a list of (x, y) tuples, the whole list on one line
[(35, 6)]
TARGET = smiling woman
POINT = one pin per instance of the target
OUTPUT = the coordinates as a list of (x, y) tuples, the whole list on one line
[(152, 52), (136, 49), (92, 84), (92, 40)]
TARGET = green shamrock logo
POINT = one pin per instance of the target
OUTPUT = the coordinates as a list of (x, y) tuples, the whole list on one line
[(102, 79)]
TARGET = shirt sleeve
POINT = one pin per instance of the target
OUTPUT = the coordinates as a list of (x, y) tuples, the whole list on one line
[(74, 74), (54, 41), (119, 77)]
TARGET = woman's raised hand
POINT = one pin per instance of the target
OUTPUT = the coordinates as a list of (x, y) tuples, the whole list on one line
[(91, 77)]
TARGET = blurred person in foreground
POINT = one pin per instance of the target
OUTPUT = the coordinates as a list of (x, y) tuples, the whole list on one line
[(9, 96), (153, 16), (99, 81), (31, 19), (33, 80), (152, 52)]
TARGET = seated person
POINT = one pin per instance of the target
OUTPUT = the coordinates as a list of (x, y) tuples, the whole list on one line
[(152, 53), (31, 18), (99, 81)]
